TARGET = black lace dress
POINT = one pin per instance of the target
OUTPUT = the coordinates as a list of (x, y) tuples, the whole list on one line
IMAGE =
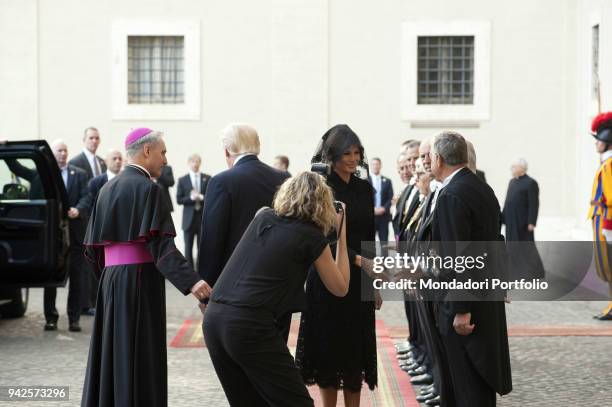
[(337, 340)]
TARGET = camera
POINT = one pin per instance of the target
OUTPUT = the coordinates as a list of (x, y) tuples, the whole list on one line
[(338, 207), (321, 169)]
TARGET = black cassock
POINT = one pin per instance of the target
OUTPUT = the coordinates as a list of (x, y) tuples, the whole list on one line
[(127, 355), (520, 210)]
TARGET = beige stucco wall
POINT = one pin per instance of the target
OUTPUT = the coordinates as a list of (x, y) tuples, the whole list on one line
[(294, 67)]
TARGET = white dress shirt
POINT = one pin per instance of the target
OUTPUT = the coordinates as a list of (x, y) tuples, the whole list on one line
[(64, 172), (93, 162), (195, 181), (110, 175)]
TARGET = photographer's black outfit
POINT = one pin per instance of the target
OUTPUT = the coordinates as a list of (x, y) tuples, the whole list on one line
[(262, 281)]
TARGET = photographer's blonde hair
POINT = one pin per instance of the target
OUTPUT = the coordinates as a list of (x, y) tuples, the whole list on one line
[(306, 196)]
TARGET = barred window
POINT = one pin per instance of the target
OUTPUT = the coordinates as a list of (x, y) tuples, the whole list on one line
[(156, 69), (445, 70)]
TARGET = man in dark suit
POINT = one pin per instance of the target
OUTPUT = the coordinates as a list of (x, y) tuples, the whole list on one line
[(75, 181), (473, 332), (383, 195), (190, 193), (87, 160), (232, 198), (114, 162), (166, 180), (409, 198), (94, 166)]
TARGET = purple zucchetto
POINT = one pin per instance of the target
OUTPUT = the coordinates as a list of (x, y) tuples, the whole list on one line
[(136, 135)]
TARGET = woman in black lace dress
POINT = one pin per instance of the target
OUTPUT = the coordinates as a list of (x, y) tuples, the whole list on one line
[(337, 340)]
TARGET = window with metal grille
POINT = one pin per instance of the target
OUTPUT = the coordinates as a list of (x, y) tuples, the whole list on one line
[(155, 69), (445, 70)]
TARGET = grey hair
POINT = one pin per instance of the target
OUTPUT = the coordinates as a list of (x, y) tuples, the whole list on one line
[(451, 146), (240, 139), (194, 156), (407, 145), (471, 156), (401, 157), (521, 162), (152, 138)]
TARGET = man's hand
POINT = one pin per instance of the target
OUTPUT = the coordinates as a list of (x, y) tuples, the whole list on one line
[(462, 324), (201, 290), (530, 227), (379, 211), (73, 213)]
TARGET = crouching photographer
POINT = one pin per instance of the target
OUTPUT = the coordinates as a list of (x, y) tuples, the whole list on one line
[(264, 279)]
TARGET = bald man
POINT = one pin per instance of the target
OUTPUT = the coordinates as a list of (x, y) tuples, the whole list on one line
[(75, 181)]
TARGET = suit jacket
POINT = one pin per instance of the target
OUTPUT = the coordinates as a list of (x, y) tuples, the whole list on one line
[(183, 196), (93, 188), (232, 198), (399, 208), (81, 162), (386, 196), (76, 189), (166, 180), (468, 211)]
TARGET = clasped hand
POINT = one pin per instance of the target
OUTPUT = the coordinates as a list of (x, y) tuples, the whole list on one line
[(201, 290)]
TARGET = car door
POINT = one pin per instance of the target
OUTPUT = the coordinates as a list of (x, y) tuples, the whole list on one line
[(33, 216)]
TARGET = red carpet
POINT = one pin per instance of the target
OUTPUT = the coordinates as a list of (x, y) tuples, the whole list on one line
[(394, 388)]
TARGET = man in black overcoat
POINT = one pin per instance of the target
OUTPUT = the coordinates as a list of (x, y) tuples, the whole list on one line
[(474, 333)]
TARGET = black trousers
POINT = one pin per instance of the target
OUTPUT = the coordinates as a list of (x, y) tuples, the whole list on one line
[(468, 386), (435, 350), (382, 229), (251, 358), (76, 271), (89, 286), (190, 234)]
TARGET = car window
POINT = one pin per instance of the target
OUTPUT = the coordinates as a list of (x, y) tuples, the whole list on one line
[(19, 180)]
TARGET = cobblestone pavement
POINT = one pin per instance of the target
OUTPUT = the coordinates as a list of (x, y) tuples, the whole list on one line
[(547, 371)]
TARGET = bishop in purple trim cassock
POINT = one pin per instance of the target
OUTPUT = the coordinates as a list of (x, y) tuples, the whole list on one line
[(130, 239)]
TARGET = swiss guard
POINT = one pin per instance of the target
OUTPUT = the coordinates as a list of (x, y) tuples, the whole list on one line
[(601, 205)]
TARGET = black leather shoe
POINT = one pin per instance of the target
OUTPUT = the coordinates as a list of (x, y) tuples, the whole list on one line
[(425, 397), (428, 389), (74, 327), (51, 326), (418, 371), (433, 402), (422, 379)]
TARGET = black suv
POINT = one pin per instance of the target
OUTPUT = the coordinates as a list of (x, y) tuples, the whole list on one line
[(34, 237)]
